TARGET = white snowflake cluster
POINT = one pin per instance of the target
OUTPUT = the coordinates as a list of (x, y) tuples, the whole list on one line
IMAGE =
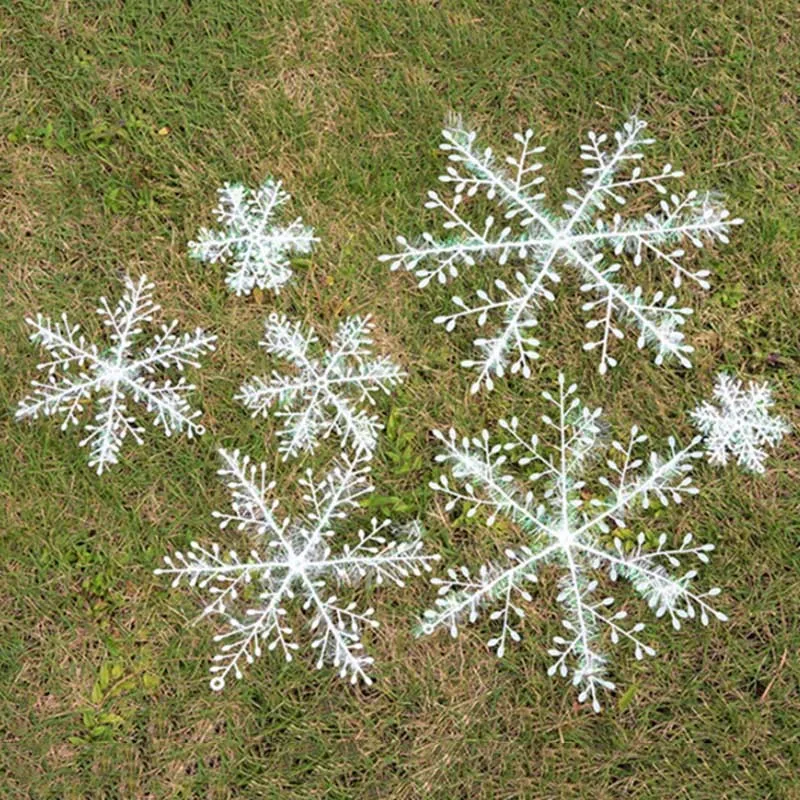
[(740, 423), (293, 560), (579, 531), (255, 244), (540, 244), (571, 529), (321, 398), (78, 371)]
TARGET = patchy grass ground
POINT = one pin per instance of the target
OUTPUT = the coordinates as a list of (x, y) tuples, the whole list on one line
[(118, 122)]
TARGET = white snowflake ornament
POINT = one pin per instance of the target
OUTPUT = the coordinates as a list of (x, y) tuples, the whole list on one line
[(255, 244), (570, 528), (292, 561), (740, 423), (322, 396), (540, 245), (78, 371)]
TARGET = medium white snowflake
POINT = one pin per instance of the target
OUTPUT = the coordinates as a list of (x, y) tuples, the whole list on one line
[(257, 246), (741, 423), (541, 242), (321, 397), (292, 559), (570, 529), (78, 370)]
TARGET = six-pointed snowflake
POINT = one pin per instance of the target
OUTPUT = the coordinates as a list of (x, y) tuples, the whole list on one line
[(571, 529), (78, 370), (255, 244), (741, 424), (321, 397), (540, 242), (292, 559)]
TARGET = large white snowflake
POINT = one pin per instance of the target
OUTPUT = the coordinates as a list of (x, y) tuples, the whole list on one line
[(321, 397), (256, 245), (78, 370), (741, 423), (292, 560), (570, 528), (541, 242)]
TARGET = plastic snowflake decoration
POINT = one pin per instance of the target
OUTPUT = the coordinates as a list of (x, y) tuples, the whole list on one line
[(292, 560), (571, 530), (543, 244), (741, 424), (78, 371), (255, 244), (321, 398)]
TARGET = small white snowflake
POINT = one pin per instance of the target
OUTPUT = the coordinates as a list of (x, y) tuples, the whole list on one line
[(541, 242), (292, 560), (321, 397), (741, 423), (79, 370), (569, 527), (257, 246)]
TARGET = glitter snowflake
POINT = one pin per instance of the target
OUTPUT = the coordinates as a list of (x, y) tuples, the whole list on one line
[(78, 370), (292, 560), (571, 528), (256, 245), (322, 396), (741, 423), (542, 243)]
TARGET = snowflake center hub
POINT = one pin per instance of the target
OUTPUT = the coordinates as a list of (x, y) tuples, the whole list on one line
[(560, 240), (112, 372), (565, 537), (296, 563)]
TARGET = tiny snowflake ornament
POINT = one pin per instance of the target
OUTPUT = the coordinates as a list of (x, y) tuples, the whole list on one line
[(571, 529), (255, 244), (292, 560), (78, 371), (740, 424), (322, 396), (541, 244)]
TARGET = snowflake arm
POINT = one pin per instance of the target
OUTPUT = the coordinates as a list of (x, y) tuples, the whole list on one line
[(135, 307), (378, 558), (294, 560), (172, 350), (740, 424), (252, 509), (244, 638), (78, 371), (542, 244), (567, 531), (462, 595), (322, 396), (254, 243), (338, 630), (339, 492)]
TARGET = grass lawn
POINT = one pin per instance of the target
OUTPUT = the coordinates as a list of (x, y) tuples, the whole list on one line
[(118, 120)]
